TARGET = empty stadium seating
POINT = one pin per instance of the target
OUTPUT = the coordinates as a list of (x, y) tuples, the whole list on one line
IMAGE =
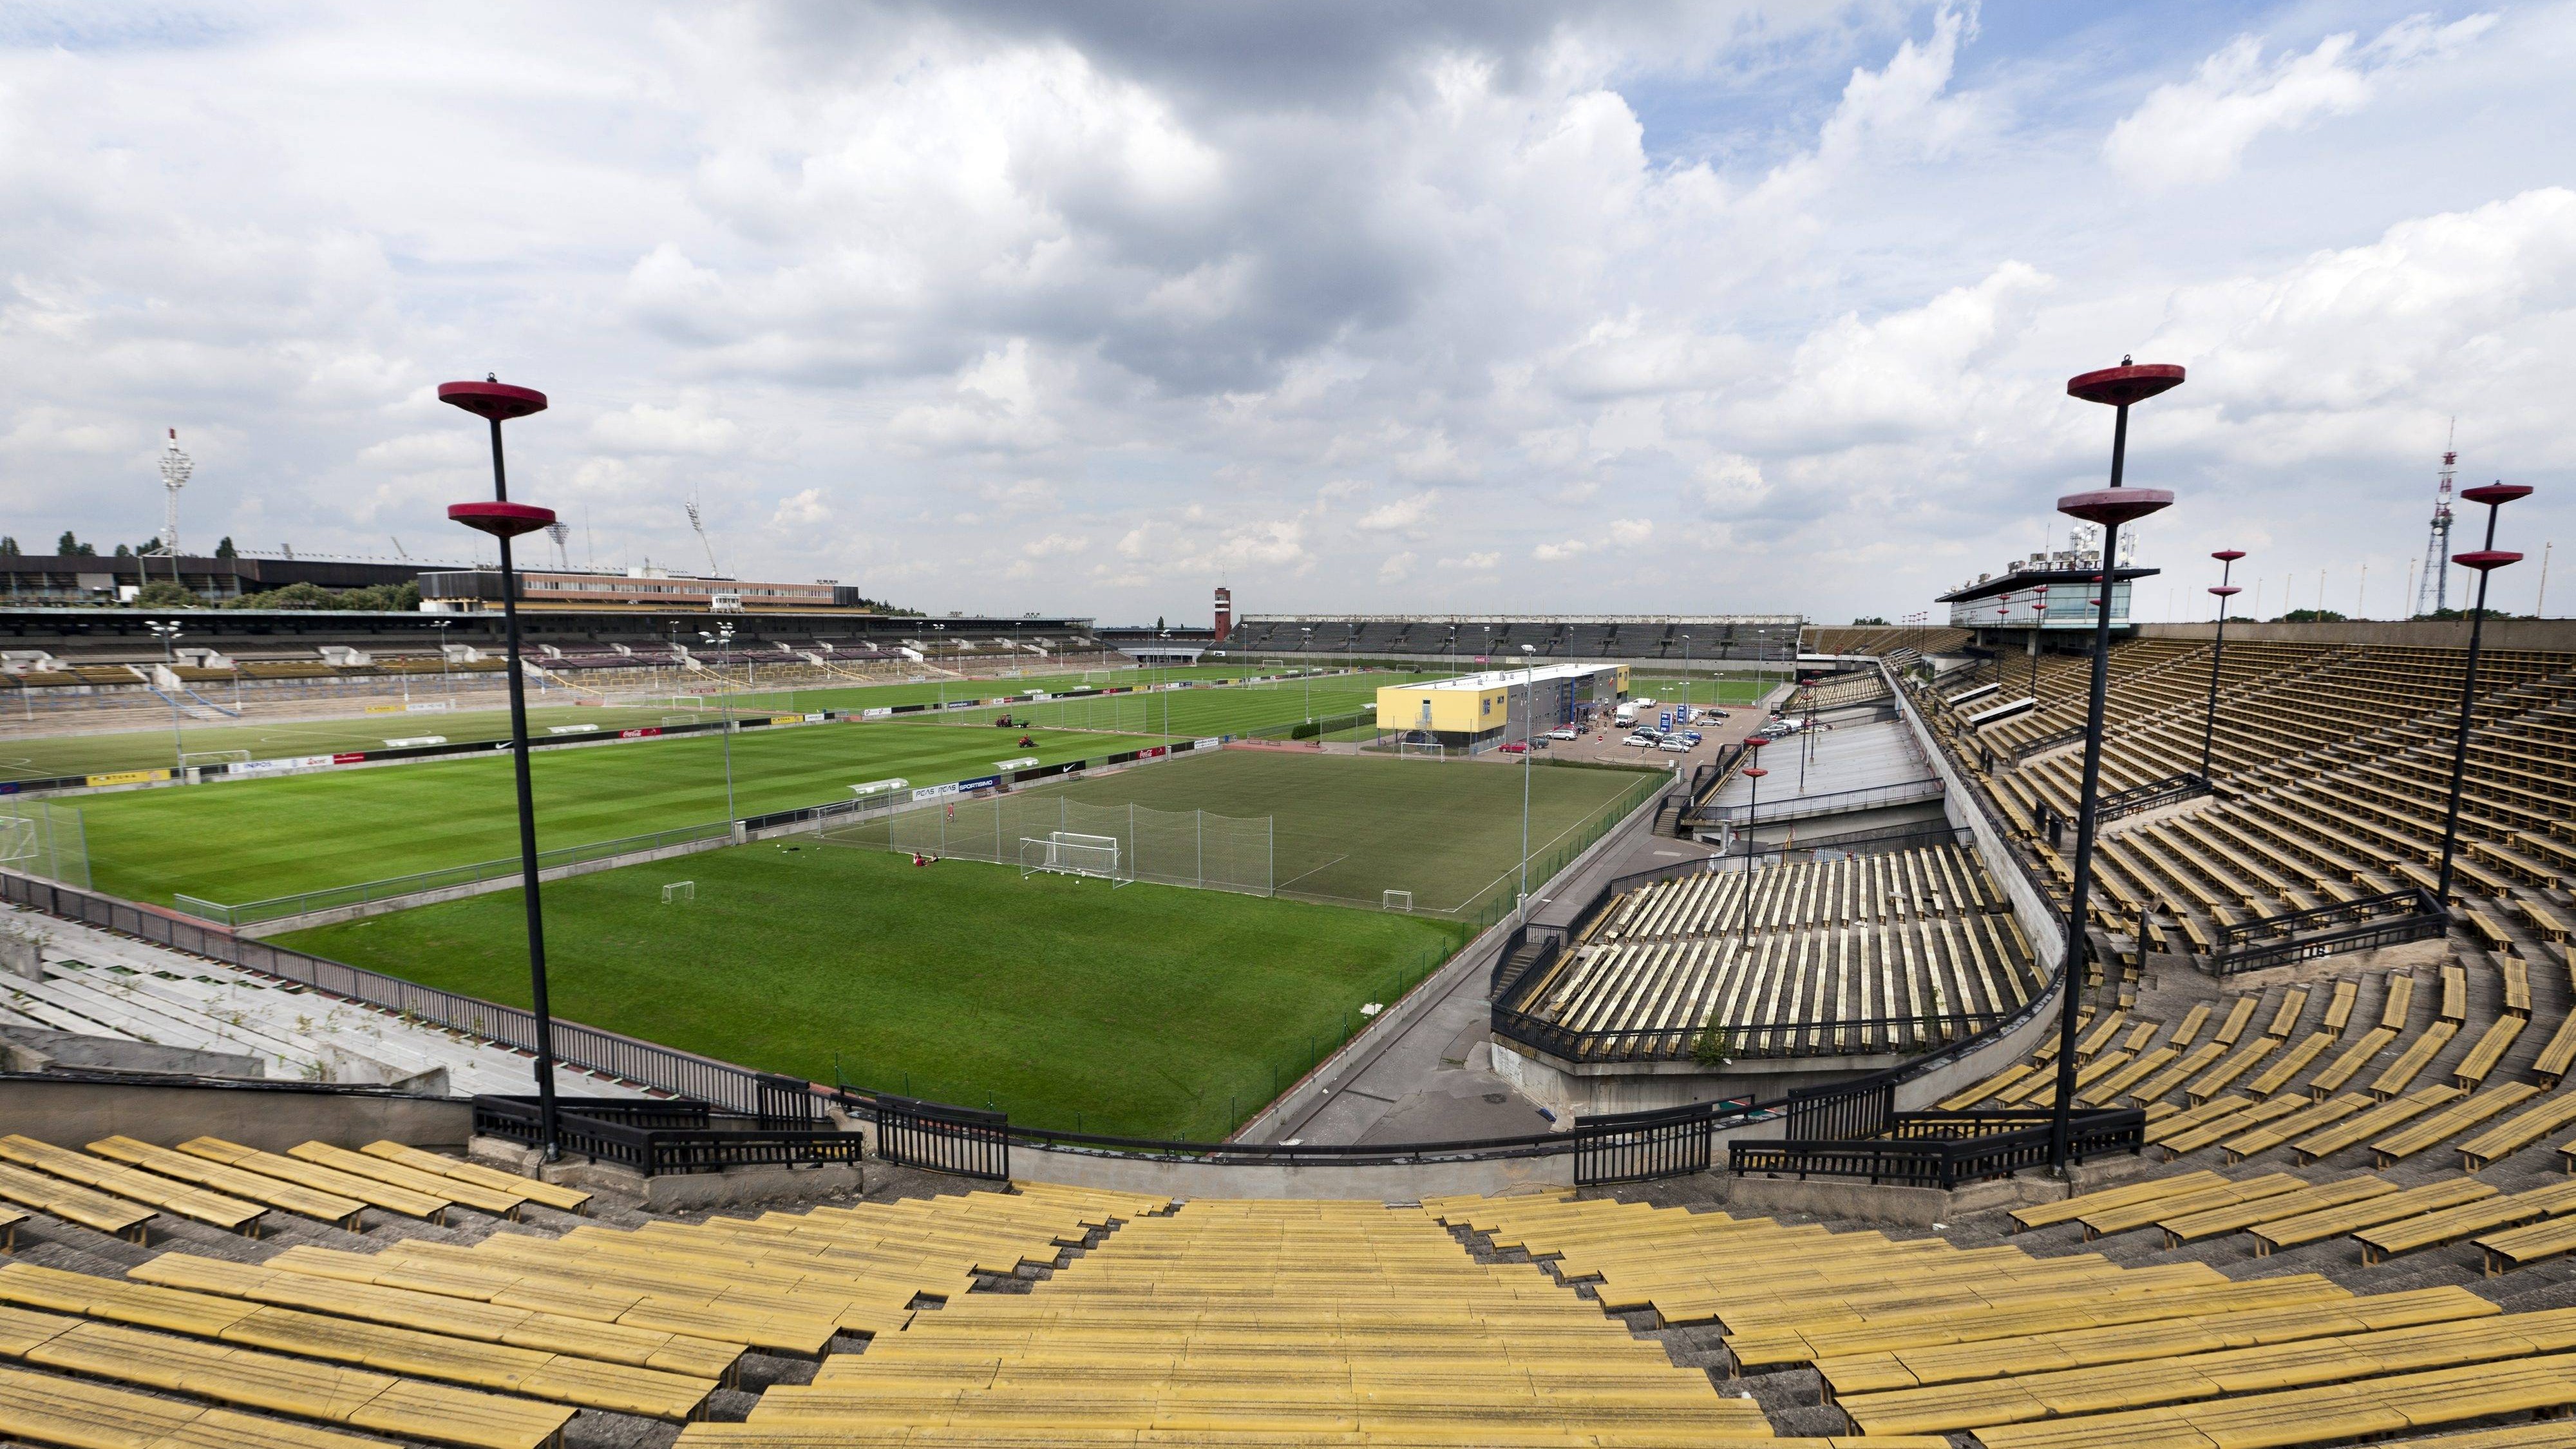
[(1870, 953)]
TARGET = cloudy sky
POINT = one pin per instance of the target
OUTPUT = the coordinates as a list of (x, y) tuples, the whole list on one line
[(1377, 306)]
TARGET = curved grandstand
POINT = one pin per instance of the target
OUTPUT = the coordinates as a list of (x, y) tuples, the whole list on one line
[(2322, 1195)]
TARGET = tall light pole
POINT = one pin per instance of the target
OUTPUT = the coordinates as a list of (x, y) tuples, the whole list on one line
[(1744, 908), (1305, 667), (2486, 561), (722, 638), (2116, 387), (496, 402), (1529, 720), (2227, 558), (167, 630), (1685, 681)]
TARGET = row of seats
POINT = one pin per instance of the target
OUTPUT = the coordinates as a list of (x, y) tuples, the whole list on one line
[(121, 1186), (1869, 953), (1918, 1337), (497, 1343)]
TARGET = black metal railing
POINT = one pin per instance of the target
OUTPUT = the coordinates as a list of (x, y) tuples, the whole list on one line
[(1838, 802), (1866, 1036), (1643, 1146), (2355, 925), (940, 1138), (677, 1138), (1842, 1111), (1943, 1149), (2155, 794), (2027, 748)]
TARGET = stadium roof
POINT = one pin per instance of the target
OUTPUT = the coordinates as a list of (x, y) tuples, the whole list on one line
[(1497, 678), (2014, 583)]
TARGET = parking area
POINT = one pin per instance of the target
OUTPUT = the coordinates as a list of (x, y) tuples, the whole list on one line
[(1717, 727)]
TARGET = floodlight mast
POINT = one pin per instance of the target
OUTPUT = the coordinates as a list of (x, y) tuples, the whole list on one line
[(495, 402), (176, 468)]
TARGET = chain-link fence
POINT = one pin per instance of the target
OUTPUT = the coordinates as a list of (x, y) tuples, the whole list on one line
[(40, 838), (1168, 847)]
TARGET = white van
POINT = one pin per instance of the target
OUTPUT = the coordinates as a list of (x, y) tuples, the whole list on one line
[(1627, 715)]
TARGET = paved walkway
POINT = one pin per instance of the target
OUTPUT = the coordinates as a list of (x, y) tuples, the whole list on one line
[(1434, 1080)]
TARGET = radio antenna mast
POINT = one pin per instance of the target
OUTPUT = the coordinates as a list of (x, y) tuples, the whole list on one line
[(2433, 593)]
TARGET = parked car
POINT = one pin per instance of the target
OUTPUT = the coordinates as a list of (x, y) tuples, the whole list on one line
[(1565, 732), (1515, 747), (1675, 745), (1638, 741)]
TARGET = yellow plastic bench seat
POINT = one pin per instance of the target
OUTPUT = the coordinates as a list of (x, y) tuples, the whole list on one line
[(250, 1379), (331, 1208), (46, 1409), (2349, 1062), (2309, 1118), (2235, 1217), (2488, 1050), (553, 1195), (2334, 1222), (2438, 1127), (132, 1183), (2401, 1073), (2517, 1132), (2122, 1218), (496, 1201), (2385, 1240), (2047, 1214), (74, 1203), (2372, 1123), (319, 1178)]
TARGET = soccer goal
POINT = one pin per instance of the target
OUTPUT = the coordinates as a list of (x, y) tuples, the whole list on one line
[(1398, 901), (669, 720), (679, 890), (1063, 852), (196, 759), (1405, 745), (688, 701)]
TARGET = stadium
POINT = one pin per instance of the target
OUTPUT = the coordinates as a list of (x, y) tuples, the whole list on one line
[(516, 1001)]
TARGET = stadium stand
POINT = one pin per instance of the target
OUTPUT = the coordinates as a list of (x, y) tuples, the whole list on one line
[(1870, 953), (1466, 637)]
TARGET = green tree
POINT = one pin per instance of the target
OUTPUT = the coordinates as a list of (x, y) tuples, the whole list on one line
[(2310, 616), (225, 548), (1869, 619), (123, 552), (9, 546), (70, 547), (163, 594)]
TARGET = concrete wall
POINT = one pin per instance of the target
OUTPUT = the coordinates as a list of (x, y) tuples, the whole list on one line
[(76, 1112), (2040, 922), (2557, 635), (33, 1049), (1390, 1182)]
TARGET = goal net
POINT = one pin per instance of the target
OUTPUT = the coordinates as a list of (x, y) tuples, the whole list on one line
[(1407, 746), (1397, 901), (679, 719), (1065, 852), (1166, 847), (688, 701), (195, 758), (679, 890)]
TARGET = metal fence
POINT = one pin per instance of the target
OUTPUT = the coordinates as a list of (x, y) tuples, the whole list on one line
[(278, 908), (677, 1138), (1944, 1149), (2354, 925), (1839, 802), (939, 1138), (1642, 1146), (44, 839)]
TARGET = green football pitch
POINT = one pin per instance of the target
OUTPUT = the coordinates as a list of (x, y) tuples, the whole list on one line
[(484, 717), (254, 839), (1348, 828), (1145, 1010)]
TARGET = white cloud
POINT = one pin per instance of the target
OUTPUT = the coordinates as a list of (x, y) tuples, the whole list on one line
[(1402, 514), (1773, 305), (689, 426), (2198, 130)]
